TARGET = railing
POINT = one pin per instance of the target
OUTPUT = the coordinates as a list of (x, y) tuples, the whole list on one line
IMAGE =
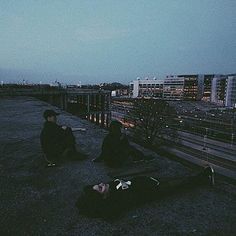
[(30, 91)]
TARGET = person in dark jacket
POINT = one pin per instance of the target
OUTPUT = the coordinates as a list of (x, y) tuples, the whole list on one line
[(116, 150), (111, 200), (57, 142)]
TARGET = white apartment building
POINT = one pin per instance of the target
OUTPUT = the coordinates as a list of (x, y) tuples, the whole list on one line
[(218, 87), (230, 95), (223, 90), (171, 88), (146, 88)]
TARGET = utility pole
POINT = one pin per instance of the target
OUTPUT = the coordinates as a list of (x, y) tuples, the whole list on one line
[(232, 126)]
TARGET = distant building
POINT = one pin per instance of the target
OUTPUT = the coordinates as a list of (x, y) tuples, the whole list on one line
[(197, 87), (230, 95), (187, 87), (223, 90), (193, 86), (173, 88), (73, 86), (207, 87), (218, 90), (123, 92), (113, 93), (146, 88)]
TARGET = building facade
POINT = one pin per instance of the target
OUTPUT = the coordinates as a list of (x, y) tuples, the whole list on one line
[(207, 87), (219, 89), (230, 95), (193, 87), (146, 88), (173, 88)]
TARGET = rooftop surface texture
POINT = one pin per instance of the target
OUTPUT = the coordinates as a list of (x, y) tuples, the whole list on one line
[(36, 200)]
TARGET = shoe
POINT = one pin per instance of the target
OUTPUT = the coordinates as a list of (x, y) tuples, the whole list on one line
[(51, 164), (97, 159), (210, 173)]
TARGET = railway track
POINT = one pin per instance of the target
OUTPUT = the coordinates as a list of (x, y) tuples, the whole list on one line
[(219, 161), (209, 145)]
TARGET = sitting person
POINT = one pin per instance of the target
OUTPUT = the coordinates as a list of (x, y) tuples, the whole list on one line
[(112, 199), (116, 150), (57, 142)]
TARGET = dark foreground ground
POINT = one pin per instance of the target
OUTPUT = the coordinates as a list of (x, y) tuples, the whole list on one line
[(35, 200)]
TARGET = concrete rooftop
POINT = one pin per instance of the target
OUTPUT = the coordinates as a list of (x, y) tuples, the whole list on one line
[(36, 200)]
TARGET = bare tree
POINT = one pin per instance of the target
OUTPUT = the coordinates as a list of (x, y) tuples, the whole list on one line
[(150, 117)]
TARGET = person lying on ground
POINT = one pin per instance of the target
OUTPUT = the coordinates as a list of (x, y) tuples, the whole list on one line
[(58, 142), (116, 150), (110, 200)]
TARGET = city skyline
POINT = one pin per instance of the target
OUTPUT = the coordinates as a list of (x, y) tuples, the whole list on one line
[(108, 41)]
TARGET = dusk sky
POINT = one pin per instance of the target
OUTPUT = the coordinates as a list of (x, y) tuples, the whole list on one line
[(95, 41)]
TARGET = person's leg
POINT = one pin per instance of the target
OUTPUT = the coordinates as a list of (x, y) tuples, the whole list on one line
[(70, 151), (138, 156), (206, 177), (135, 154), (69, 138), (50, 161)]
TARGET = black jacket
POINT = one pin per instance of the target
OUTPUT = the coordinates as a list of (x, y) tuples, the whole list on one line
[(52, 139), (142, 189), (115, 150)]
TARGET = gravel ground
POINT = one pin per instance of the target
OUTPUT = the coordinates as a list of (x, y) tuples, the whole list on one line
[(36, 200)]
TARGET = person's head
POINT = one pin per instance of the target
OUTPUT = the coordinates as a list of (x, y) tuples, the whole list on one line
[(97, 191), (115, 127), (102, 189), (50, 115)]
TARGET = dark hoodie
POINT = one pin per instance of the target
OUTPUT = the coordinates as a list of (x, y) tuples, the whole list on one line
[(52, 139)]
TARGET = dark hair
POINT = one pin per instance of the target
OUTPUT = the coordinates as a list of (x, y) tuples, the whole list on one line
[(48, 113)]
